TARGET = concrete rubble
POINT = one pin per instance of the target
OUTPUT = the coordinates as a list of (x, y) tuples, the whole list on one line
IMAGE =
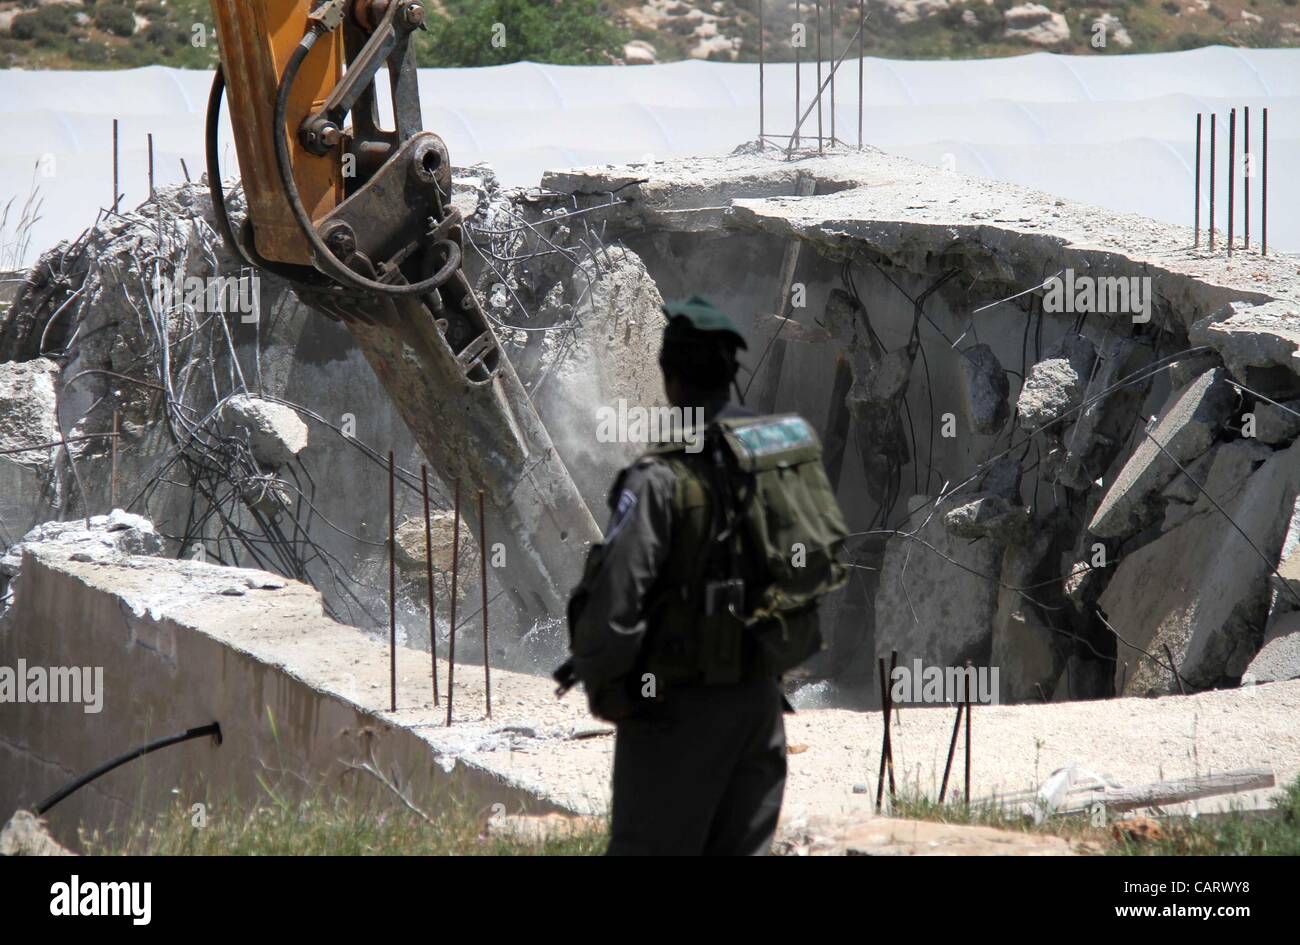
[(26, 835), (103, 537), (986, 388), (1056, 384), (1279, 658), (275, 432), (1202, 588)]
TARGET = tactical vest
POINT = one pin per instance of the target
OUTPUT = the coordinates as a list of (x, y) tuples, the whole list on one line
[(738, 596)]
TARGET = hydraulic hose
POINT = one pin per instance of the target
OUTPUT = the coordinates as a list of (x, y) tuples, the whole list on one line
[(217, 192), (333, 266), (213, 729), (212, 126)]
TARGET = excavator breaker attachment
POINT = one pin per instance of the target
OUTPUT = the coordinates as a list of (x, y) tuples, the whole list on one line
[(358, 218)]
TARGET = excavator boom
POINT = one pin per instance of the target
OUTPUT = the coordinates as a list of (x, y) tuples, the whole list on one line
[(358, 218)]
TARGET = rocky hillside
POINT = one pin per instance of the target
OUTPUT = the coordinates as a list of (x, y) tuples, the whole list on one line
[(126, 33)]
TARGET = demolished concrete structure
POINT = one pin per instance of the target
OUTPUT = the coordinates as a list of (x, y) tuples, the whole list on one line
[(953, 270), (1012, 501)]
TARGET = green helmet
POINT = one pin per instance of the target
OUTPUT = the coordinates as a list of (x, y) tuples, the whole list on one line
[(696, 320)]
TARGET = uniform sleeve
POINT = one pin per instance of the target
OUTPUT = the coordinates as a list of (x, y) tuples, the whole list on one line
[(609, 632)]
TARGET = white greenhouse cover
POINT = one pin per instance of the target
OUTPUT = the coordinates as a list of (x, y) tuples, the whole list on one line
[(1115, 131)]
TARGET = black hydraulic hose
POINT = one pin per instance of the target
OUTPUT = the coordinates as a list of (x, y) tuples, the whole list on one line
[(214, 729), (217, 192), (334, 266), (212, 126)]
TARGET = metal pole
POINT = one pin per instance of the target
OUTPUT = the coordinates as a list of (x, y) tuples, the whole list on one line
[(1246, 171), (392, 584), (762, 62), (1196, 225), (150, 165), (1213, 117), (428, 574), (1232, 173), (798, 66), (112, 479), (1263, 195), (893, 663), (809, 110), (862, 40), (455, 574), (966, 684), (832, 39), (115, 184), (884, 735), (819, 76), (1173, 667), (482, 567), (952, 751)]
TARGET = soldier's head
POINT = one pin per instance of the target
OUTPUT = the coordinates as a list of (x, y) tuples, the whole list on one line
[(698, 357)]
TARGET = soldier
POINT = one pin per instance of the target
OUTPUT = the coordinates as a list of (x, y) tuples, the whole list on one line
[(681, 628)]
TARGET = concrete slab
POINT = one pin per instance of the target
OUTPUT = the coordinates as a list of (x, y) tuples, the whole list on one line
[(1184, 429)]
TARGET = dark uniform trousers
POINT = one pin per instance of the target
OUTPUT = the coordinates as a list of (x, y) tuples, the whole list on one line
[(701, 772)]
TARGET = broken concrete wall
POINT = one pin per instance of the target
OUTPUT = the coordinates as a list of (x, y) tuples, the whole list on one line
[(182, 644), (936, 293)]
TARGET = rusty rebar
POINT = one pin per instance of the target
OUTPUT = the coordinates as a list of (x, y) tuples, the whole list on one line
[(115, 175), (428, 573), (150, 137), (831, 31), (112, 475), (1173, 668), (967, 686), (820, 133), (392, 583), (1213, 120), (952, 752), (893, 664), (798, 66), (762, 64), (1263, 193), (884, 735), (862, 45), (1232, 174), (455, 575), (1246, 172), (1196, 216), (482, 567)]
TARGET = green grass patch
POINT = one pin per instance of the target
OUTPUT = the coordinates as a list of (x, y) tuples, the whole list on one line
[(326, 824), (1272, 832)]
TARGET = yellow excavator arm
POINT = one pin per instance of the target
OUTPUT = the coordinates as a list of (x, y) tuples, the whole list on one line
[(358, 217)]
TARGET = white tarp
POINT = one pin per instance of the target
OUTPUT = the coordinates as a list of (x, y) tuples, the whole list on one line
[(1115, 131)]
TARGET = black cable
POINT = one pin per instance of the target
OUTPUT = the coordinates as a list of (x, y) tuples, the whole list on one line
[(213, 729)]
